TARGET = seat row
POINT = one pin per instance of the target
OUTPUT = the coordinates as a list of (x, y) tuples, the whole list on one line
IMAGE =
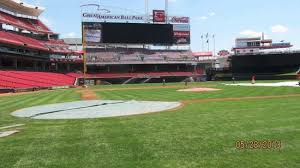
[(24, 79)]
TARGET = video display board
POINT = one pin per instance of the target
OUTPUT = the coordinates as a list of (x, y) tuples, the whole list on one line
[(93, 33), (181, 34), (133, 33), (136, 33)]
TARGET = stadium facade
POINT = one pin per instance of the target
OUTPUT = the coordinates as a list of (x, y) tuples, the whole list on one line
[(152, 48), (259, 57), (31, 55), (26, 43), (140, 48)]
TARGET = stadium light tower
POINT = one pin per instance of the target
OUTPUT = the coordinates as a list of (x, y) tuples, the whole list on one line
[(167, 10), (146, 11)]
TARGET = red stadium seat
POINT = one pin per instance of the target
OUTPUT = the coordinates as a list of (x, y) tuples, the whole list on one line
[(24, 79), (27, 24), (19, 40)]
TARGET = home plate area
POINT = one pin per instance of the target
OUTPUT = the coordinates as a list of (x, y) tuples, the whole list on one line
[(94, 109)]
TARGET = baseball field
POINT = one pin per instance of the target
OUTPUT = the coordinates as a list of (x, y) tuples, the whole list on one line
[(232, 126)]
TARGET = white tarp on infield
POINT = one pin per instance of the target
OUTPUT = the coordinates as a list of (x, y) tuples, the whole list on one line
[(94, 109), (7, 133), (279, 84)]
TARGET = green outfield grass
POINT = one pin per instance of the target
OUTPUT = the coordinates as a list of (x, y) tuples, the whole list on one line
[(198, 135)]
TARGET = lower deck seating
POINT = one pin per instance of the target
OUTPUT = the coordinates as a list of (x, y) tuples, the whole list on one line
[(25, 79), (137, 75)]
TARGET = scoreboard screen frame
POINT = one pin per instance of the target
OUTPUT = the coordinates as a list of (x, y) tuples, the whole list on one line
[(130, 33)]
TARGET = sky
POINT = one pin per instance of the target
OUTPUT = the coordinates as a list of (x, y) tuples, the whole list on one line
[(226, 19)]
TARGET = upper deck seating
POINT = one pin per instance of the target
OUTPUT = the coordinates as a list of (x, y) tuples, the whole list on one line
[(19, 40), (24, 23)]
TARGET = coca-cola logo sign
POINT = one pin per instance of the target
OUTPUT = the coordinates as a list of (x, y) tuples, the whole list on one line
[(176, 19), (159, 16)]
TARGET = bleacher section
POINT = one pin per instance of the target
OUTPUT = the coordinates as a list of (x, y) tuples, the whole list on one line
[(25, 79)]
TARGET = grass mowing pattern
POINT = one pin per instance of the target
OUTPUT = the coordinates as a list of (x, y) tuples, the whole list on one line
[(199, 135), (171, 94)]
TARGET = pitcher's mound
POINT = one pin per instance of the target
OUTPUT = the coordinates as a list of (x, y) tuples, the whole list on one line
[(199, 90), (94, 109)]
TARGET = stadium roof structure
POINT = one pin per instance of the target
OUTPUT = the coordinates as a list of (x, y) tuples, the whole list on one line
[(19, 7), (33, 25)]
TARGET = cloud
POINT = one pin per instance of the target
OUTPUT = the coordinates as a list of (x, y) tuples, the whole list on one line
[(250, 33), (212, 14), (70, 35), (202, 18), (199, 18), (279, 29)]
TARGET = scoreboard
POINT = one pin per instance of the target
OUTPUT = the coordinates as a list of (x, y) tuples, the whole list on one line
[(136, 33)]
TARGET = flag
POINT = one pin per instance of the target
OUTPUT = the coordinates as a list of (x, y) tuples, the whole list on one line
[(207, 35), (207, 41), (202, 37), (213, 36)]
